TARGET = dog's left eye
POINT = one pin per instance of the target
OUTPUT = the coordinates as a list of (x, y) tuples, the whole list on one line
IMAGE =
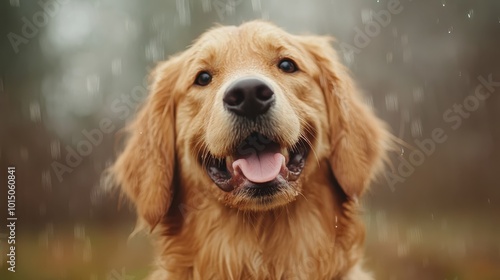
[(287, 65), (203, 78)]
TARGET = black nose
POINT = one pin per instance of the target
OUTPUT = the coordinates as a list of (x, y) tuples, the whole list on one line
[(249, 97)]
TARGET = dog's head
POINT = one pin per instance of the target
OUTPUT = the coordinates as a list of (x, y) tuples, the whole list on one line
[(247, 114)]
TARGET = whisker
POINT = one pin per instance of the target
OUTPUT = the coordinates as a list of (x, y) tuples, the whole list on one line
[(311, 147), (301, 194)]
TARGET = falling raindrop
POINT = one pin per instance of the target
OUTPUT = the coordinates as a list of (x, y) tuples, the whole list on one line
[(470, 14), (414, 235), (14, 3), (368, 220), (231, 6), (154, 52), (87, 250), (55, 149), (184, 12), (450, 29), (402, 152), (443, 2), (382, 226), (369, 101), (418, 94), (93, 84), (416, 128), (45, 235), (96, 196), (46, 180), (131, 27), (348, 56), (35, 115), (402, 250), (391, 102), (79, 231), (366, 16), (256, 5), (116, 67), (389, 57), (265, 15), (405, 116), (158, 22), (206, 6)]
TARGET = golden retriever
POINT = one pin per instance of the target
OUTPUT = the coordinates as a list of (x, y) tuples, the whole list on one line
[(248, 158)]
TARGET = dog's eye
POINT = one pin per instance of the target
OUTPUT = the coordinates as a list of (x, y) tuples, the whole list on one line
[(287, 65), (203, 78)]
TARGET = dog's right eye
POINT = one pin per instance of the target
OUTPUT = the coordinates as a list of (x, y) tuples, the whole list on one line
[(203, 78), (287, 65)]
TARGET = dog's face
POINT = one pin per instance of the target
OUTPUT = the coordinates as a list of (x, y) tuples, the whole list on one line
[(247, 114)]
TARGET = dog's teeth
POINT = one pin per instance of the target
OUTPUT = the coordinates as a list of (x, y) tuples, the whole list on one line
[(284, 152)]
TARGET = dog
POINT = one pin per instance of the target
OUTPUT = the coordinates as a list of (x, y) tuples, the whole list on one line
[(248, 157)]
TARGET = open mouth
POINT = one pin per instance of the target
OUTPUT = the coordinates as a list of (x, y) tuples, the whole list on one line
[(259, 166)]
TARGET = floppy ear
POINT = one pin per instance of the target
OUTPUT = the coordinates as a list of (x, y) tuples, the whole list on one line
[(357, 137), (145, 168)]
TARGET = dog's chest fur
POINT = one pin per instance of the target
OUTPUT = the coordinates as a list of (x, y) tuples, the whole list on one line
[(302, 241)]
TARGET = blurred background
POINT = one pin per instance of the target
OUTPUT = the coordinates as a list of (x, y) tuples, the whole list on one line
[(431, 70)]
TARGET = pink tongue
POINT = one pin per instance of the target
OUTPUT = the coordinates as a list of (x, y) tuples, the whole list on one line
[(260, 167)]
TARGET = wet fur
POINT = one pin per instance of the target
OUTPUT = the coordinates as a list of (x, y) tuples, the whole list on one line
[(313, 230)]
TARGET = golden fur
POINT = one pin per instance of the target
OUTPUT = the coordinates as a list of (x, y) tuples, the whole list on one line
[(311, 230)]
